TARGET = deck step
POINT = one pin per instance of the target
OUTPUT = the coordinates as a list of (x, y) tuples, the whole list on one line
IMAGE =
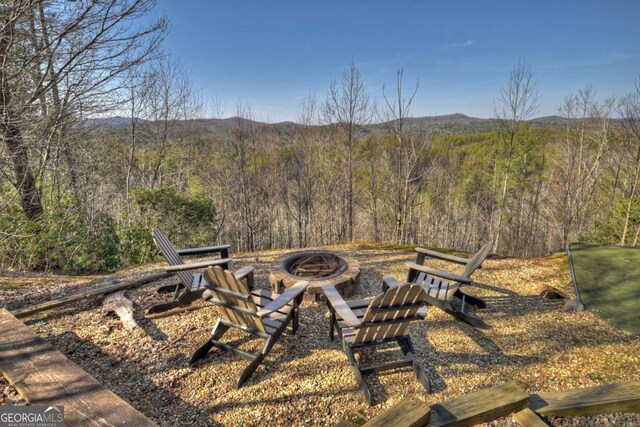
[(409, 412), (601, 399), (480, 406), (44, 376)]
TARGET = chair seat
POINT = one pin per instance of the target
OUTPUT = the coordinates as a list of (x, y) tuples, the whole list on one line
[(197, 282), (260, 312), (374, 322), (438, 292), (345, 327)]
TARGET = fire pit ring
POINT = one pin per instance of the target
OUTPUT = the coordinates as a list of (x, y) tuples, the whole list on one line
[(318, 268)]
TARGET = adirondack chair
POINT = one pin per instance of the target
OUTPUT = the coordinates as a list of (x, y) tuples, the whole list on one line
[(443, 287), (376, 321), (263, 313), (190, 286)]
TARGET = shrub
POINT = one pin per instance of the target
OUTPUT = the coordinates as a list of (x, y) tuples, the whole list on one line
[(188, 220), (609, 229), (60, 239)]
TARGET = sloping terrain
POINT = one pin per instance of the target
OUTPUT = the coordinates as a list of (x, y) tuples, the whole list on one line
[(306, 379)]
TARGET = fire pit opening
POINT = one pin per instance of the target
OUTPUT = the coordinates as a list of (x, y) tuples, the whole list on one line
[(316, 265), (319, 268)]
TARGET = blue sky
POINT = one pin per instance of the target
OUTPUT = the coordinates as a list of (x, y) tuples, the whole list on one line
[(271, 54)]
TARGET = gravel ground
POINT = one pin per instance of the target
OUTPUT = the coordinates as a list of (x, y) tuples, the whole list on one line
[(306, 379)]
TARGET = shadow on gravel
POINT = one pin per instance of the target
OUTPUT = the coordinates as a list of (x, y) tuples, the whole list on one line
[(157, 403)]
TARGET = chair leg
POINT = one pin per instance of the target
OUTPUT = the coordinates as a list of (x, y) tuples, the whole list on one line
[(476, 302), (296, 313), (471, 320), (407, 348), (356, 370), (169, 288), (448, 307), (249, 370), (295, 320), (332, 324), (218, 330)]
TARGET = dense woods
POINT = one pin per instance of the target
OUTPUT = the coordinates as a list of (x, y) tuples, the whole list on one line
[(82, 194)]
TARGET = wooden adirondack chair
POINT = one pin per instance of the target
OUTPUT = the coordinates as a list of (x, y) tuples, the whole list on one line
[(262, 313), (443, 287), (190, 287), (376, 321)]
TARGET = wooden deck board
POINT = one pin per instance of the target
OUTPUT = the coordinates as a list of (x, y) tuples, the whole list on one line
[(44, 376), (408, 412), (480, 406), (602, 399), (528, 418)]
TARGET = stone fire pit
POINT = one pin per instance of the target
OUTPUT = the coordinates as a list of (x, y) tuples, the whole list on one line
[(318, 268)]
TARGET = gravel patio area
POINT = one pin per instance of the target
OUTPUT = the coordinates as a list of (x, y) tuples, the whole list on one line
[(306, 379)]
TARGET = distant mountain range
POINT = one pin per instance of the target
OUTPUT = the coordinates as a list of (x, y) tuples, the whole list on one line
[(449, 123)]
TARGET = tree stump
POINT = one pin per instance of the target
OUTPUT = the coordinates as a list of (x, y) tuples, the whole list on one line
[(123, 307)]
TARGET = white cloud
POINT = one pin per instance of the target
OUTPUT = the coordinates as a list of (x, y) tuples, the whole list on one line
[(458, 45)]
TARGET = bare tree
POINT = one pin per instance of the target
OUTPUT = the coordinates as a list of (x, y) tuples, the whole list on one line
[(630, 107), (578, 163), (170, 98), (518, 101), (76, 53), (404, 157), (349, 109)]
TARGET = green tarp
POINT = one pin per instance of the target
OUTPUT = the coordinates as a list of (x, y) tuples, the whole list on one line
[(607, 279)]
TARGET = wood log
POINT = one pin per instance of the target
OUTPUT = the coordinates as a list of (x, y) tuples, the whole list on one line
[(119, 304), (24, 312)]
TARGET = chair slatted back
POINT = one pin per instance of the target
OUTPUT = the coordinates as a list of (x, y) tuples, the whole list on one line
[(169, 253), (436, 287), (477, 260), (234, 299), (389, 314)]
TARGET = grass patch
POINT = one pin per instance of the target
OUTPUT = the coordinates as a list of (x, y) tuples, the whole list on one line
[(608, 280)]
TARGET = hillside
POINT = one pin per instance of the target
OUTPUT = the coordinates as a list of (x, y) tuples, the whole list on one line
[(306, 378), (440, 125)]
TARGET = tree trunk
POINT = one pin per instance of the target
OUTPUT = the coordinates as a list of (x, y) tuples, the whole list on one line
[(625, 228), (25, 183)]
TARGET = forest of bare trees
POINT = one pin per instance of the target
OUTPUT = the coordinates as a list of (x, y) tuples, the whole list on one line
[(78, 196)]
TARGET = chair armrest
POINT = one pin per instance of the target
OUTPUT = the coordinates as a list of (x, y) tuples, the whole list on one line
[(204, 250), (389, 282), (196, 265), (284, 298), (442, 256), (246, 273), (339, 305), (438, 273)]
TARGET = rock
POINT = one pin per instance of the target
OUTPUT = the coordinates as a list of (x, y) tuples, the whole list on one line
[(550, 292), (574, 305)]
